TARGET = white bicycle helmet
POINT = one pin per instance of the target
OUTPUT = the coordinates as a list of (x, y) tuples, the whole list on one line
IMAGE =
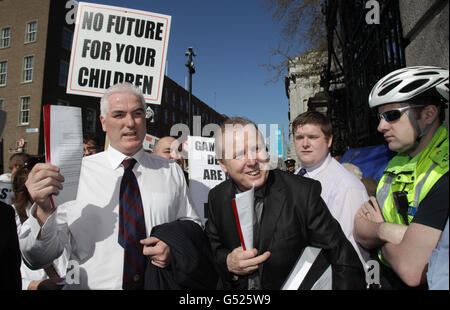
[(410, 82)]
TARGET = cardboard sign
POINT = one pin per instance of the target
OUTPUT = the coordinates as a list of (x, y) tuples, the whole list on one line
[(6, 192), (113, 45), (204, 171), (149, 142)]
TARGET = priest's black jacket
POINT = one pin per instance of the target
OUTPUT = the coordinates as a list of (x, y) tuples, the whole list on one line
[(294, 216)]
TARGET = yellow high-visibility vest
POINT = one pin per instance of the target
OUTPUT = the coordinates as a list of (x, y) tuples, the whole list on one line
[(414, 176)]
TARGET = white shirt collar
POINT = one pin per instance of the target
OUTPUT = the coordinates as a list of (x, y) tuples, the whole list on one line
[(116, 158), (314, 170)]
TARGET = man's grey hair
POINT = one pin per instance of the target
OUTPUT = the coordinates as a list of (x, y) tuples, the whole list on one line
[(119, 88)]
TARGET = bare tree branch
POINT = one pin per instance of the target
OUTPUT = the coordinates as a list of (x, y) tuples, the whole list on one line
[(303, 30)]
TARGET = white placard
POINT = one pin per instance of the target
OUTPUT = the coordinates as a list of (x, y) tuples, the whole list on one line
[(6, 191), (150, 142), (113, 44), (204, 171)]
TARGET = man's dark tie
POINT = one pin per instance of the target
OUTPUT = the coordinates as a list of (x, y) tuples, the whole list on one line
[(131, 228), (301, 172)]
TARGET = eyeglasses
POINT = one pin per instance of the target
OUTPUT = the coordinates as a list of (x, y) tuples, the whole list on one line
[(395, 114)]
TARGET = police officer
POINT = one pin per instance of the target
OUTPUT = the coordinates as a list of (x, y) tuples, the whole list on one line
[(405, 220), (290, 165)]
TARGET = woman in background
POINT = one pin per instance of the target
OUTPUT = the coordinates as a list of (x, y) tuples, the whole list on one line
[(49, 278)]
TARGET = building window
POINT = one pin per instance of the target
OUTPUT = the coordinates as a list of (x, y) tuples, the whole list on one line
[(3, 72), (66, 41), (2, 104), (5, 37), (31, 32), (166, 116), (174, 99), (63, 73), (27, 73), (90, 120), (24, 111), (166, 96)]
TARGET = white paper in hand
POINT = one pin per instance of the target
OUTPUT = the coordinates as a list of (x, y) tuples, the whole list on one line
[(245, 212), (64, 147)]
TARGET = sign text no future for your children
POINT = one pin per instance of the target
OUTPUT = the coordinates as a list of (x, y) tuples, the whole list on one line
[(114, 45)]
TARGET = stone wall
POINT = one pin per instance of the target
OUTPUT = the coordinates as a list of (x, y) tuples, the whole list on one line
[(425, 25)]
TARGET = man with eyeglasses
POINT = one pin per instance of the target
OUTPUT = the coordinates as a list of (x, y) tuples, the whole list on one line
[(406, 219), (90, 145)]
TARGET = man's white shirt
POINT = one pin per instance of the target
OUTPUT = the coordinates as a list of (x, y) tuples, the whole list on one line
[(88, 226), (343, 193)]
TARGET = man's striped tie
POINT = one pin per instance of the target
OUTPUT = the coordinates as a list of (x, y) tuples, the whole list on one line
[(131, 228)]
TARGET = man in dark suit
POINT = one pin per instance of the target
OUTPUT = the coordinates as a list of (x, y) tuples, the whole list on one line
[(289, 215), (10, 278), (10, 258)]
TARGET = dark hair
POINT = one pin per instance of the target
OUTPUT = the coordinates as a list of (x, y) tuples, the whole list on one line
[(18, 159), (313, 118), (88, 137), (21, 196), (429, 100)]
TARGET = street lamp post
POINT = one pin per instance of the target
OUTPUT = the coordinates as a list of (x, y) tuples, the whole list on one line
[(191, 69)]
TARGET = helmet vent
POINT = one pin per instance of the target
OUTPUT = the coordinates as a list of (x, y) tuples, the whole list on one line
[(426, 73), (413, 86), (389, 88)]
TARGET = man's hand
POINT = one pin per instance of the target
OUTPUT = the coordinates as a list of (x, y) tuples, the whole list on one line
[(46, 284), (157, 251), (371, 211), (242, 262), (44, 180)]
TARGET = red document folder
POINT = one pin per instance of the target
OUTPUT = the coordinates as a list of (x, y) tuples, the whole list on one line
[(47, 140), (238, 224)]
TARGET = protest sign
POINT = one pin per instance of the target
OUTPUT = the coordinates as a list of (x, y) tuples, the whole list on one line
[(150, 142), (113, 45), (204, 171), (6, 191)]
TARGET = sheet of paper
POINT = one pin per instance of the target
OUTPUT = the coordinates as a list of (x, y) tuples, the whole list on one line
[(64, 147), (301, 268), (245, 211), (325, 281)]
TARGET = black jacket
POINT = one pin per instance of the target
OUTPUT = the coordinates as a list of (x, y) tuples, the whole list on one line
[(10, 257), (191, 263), (294, 216)]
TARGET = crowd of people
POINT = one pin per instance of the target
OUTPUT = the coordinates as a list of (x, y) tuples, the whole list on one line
[(142, 231)]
